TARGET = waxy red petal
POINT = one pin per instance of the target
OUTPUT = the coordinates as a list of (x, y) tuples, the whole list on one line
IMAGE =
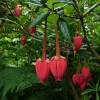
[(32, 30), (17, 10), (58, 67), (81, 79), (83, 85), (77, 41), (86, 73), (75, 78), (42, 70), (78, 78)]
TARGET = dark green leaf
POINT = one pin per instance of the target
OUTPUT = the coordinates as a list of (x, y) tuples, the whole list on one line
[(91, 8), (88, 91), (64, 29), (36, 2), (97, 96), (39, 19), (66, 1), (16, 79)]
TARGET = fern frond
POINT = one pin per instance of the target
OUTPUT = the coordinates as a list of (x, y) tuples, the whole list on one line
[(17, 79)]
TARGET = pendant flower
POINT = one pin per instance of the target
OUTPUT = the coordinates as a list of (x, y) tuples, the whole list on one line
[(42, 70)]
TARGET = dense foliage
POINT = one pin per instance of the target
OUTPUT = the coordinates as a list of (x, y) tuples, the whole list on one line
[(20, 46)]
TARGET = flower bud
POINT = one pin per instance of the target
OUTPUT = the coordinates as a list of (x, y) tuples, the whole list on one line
[(23, 39), (32, 30), (78, 79), (86, 73), (77, 41), (18, 10)]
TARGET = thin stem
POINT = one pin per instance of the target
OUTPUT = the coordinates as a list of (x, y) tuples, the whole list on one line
[(91, 8), (57, 42), (77, 6), (85, 36), (75, 94), (79, 66), (69, 16), (81, 16), (44, 41), (83, 26), (15, 17)]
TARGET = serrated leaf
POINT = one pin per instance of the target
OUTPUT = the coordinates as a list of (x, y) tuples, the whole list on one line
[(39, 19)]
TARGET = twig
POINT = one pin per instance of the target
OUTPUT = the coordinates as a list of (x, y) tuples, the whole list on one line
[(83, 26), (77, 6), (15, 17), (69, 16), (91, 8), (85, 36)]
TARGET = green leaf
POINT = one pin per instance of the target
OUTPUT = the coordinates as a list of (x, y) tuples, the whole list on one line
[(39, 19), (97, 96), (36, 2), (91, 8), (64, 29), (88, 91), (17, 79), (66, 1), (85, 97), (97, 85)]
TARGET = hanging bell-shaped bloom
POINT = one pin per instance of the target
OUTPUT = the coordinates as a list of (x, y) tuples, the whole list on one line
[(81, 79), (58, 66), (42, 69), (23, 39), (83, 85), (78, 79), (77, 41), (17, 10), (75, 78), (86, 73), (32, 30)]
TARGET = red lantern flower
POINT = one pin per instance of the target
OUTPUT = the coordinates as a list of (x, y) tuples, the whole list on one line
[(58, 66), (77, 41), (78, 79), (18, 10), (83, 85), (42, 70), (82, 79), (86, 73), (42, 65), (23, 39), (32, 30), (75, 78)]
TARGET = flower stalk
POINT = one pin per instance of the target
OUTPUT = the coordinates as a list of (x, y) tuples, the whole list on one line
[(57, 42), (44, 42)]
